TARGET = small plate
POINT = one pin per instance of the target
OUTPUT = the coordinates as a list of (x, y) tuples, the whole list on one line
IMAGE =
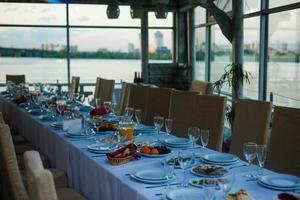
[(220, 158), (150, 181), (280, 181), (185, 193), (151, 174), (178, 141), (99, 148), (154, 156)]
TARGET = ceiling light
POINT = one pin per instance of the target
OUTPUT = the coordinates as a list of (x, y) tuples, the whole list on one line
[(113, 10), (136, 11), (161, 11)]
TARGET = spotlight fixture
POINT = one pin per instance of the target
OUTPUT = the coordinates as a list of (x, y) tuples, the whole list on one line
[(161, 11), (113, 10), (136, 11)]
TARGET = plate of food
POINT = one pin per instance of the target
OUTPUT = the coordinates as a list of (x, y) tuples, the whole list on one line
[(154, 151), (209, 171), (241, 194), (198, 182)]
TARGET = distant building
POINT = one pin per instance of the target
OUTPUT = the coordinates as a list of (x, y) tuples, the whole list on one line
[(72, 48), (50, 47), (131, 47), (159, 39), (163, 50)]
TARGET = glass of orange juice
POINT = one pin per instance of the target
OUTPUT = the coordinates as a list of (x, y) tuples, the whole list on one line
[(126, 128)]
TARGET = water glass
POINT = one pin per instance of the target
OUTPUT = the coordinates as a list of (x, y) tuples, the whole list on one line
[(226, 182), (91, 101), (98, 103), (138, 116), (194, 134), (184, 159), (261, 153), (107, 106), (209, 188), (168, 125), (169, 163), (249, 150), (158, 123), (128, 112), (61, 106), (204, 138)]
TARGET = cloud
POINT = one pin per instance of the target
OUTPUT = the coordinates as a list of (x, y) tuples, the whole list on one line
[(83, 19)]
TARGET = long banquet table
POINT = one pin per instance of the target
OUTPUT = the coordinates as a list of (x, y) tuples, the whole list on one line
[(93, 176)]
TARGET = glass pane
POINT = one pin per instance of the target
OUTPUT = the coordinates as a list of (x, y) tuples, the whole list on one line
[(199, 71), (154, 22), (221, 54), (200, 15), (160, 45), (276, 3), (251, 55), (108, 53), (225, 5), (35, 14), (251, 6), (96, 15), (35, 52), (284, 57)]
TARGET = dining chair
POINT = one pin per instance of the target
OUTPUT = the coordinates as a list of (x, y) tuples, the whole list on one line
[(283, 149), (251, 123), (138, 98), (97, 88), (106, 91), (14, 186), (40, 181), (123, 102), (16, 79), (1, 118), (158, 104), (202, 87), (207, 112), (74, 85)]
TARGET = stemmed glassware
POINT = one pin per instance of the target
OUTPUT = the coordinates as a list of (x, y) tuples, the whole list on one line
[(226, 182), (184, 159), (249, 150), (209, 188), (128, 112), (168, 125), (61, 106), (169, 164), (158, 123), (96, 123), (98, 103), (194, 134), (91, 101), (107, 106), (138, 116), (261, 153), (204, 138)]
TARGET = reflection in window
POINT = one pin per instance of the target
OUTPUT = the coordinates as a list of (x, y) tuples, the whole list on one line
[(284, 57), (34, 14), (96, 15), (35, 52), (160, 45), (251, 6), (200, 15), (199, 71), (108, 53), (276, 3), (251, 55)]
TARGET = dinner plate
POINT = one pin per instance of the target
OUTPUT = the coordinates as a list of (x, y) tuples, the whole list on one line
[(35, 111), (221, 164), (98, 148), (178, 141), (280, 181), (185, 193), (153, 156), (276, 188), (222, 171), (56, 124), (220, 158), (151, 174), (150, 181), (79, 134)]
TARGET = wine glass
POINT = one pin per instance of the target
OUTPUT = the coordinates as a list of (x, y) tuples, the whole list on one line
[(61, 106), (158, 123), (96, 123), (107, 106), (194, 134), (168, 125), (169, 163), (226, 182), (184, 159), (204, 138), (261, 153), (128, 112), (98, 103), (249, 150), (209, 187), (91, 101), (138, 116)]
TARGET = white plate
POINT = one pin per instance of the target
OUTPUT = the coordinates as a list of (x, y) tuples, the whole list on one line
[(151, 174), (154, 156), (150, 181), (98, 148), (221, 164), (185, 193), (220, 158), (276, 188), (178, 141), (207, 176), (56, 124), (278, 181), (35, 111)]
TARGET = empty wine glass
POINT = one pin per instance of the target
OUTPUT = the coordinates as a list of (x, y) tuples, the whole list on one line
[(261, 153), (91, 101), (98, 103), (107, 106), (226, 182), (113, 107), (209, 188), (158, 123), (169, 164), (168, 125), (61, 106), (184, 159), (138, 116), (249, 150), (96, 123), (204, 138), (128, 112), (194, 134)]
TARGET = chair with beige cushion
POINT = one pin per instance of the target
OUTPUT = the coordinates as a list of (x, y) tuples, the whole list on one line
[(10, 173), (158, 103), (41, 182), (204, 111), (124, 97), (16, 79), (104, 89), (284, 144), (202, 87), (97, 88), (251, 124), (74, 85)]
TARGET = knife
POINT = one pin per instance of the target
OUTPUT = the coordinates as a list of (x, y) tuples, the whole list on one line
[(161, 185)]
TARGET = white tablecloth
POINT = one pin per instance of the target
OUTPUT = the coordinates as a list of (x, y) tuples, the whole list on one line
[(94, 177)]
